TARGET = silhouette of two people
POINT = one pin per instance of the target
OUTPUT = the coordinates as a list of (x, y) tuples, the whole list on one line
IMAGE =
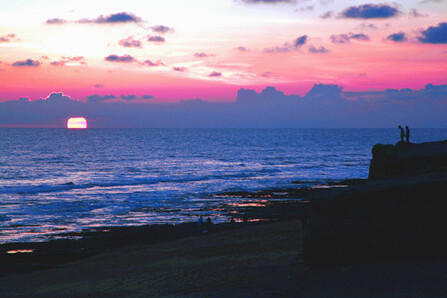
[(404, 134)]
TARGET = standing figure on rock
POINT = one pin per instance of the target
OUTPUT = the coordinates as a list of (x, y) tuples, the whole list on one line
[(402, 134), (407, 135)]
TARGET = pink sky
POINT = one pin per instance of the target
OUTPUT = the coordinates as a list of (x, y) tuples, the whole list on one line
[(82, 40)]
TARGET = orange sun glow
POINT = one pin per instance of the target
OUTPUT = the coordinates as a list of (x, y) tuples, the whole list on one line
[(77, 123)]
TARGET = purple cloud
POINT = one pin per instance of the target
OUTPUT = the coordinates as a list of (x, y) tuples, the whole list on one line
[(319, 50), (130, 42), (116, 58), (416, 14), (181, 69), (98, 86), (435, 34), (241, 49), (155, 38), (162, 29), (7, 38), (25, 63), (215, 74), (398, 37), (370, 11), (202, 55), (346, 38), (153, 64), (268, 1), (327, 15), (301, 40), (55, 21), (99, 98), (129, 97), (116, 18), (289, 46), (367, 26), (147, 96)]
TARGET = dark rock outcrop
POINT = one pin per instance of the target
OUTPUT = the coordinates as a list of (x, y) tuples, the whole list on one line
[(390, 219), (405, 160)]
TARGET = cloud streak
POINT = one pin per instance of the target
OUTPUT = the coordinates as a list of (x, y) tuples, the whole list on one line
[(26, 63), (155, 38), (122, 59)]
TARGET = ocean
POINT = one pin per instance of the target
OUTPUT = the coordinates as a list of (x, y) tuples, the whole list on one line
[(60, 180)]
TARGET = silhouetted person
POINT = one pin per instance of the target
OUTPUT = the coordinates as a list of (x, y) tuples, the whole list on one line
[(407, 134), (200, 223), (402, 134)]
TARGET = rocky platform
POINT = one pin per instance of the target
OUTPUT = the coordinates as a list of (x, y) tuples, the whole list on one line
[(399, 214)]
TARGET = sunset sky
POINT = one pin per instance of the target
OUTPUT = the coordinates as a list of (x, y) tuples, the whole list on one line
[(157, 52), (180, 49)]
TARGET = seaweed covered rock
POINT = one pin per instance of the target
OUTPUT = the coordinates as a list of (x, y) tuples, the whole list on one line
[(403, 159)]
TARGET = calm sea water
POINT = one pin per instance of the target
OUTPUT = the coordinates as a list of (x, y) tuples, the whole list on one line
[(58, 180)]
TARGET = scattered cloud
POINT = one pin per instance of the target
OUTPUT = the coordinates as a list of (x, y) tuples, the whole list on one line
[(177, 68), (129, 97), (288, 46), (416, 14), (268, 1), (241, 49), (64, 60), (56, 21), (366, 26), (266, 74), (398, 37), (25, 63), (203, 55), (99, 98), (305, 8), (116, 58), (153, 64), (327, 15), (155, 38), (370, 11), (319, 50), (116, 18), (346, 38), (431, 1), (98, 86), (215, 74), (130, 42), (300, 41), (435, 34), (162, 29), (147, 96), (7, 38)]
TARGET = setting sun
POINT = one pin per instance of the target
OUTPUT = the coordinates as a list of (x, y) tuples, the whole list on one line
[(77, 123)]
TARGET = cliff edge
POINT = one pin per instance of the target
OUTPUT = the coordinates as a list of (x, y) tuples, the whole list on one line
[(403, 160), (399, 214)]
